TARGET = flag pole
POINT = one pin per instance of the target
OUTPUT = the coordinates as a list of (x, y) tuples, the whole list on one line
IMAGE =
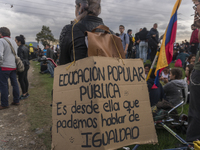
[(152, 66)]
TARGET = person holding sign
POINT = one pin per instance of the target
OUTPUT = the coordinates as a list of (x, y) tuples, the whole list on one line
[(86, 12)]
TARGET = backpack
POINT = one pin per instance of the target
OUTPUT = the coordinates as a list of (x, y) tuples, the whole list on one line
[(103, 43), (178, 63)]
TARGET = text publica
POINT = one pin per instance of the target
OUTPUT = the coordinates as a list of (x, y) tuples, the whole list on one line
[(116, 73)]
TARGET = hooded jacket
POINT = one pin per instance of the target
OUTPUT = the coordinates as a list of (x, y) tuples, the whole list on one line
[(173, 91)]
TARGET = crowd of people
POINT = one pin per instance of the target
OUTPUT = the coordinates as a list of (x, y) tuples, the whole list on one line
[(8, 68), (144, 45)]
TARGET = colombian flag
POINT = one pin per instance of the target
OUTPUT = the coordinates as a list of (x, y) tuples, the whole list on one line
[(166, 50)]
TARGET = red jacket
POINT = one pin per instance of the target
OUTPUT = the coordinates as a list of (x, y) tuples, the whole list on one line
[(194, 38)]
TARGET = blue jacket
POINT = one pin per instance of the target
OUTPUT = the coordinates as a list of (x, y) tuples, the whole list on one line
[(182, 57)]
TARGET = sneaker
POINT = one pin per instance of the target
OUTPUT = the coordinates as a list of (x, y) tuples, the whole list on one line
[(27, 95), (22, 97)]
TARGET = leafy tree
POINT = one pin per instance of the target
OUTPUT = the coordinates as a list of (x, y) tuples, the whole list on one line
[(45, 36)]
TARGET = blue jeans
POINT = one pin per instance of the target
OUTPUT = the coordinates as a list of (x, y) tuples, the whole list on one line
[(51, 70), (137, 51), (143, 47), (4, 75)]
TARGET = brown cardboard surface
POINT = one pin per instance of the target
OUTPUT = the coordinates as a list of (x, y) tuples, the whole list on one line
[(118, 94)]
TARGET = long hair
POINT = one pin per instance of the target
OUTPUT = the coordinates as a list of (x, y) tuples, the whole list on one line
[(92, 7), (21, 39)]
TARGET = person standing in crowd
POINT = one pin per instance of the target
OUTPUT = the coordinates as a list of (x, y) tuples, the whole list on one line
[(153, 38), (137, 42), (125, 39), (193, 132), (130, 46), (143, 46), (7, 69), (31, 51), (50, 52), (194, 40), (23, 53), (87, 12)]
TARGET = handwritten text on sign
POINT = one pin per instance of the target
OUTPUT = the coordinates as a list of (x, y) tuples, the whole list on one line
[(108, 111), (101, 103)]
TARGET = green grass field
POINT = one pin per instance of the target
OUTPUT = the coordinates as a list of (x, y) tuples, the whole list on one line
[(39, 110), (40, 114)]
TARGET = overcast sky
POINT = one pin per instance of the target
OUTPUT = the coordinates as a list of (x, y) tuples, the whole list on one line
[(27, 16)]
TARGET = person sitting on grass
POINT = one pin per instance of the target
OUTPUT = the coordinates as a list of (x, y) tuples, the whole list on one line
[(175, 54), (173, 89), (188, 72), (165, 75), (155, 95), (191, 59), (147, 69), (46, 66)]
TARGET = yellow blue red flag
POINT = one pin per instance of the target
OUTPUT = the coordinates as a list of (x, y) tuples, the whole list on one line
[(166, 50)]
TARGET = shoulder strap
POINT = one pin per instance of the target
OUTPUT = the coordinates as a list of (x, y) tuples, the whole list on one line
[(13, 51)]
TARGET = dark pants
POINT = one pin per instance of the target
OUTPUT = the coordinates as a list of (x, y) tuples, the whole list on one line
[(23, 79), (149, 54), (4, 75), (153, 54), (194, 48)]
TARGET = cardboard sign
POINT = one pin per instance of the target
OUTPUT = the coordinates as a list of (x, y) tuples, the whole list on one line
[(101, 104)]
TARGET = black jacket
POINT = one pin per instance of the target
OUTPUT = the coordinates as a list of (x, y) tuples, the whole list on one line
[(154, 32), (23, 53), (143, 34), (130, 46), (66, 46), (137, 38), (50, 53)]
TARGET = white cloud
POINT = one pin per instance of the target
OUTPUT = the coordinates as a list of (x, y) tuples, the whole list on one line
[(27, 17)]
